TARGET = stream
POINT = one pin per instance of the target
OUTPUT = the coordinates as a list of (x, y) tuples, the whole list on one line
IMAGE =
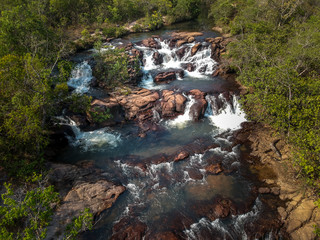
[(173, 199)]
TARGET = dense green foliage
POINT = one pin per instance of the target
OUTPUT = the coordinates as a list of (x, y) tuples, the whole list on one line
[(25, 214), (112, 67), (276, 57)]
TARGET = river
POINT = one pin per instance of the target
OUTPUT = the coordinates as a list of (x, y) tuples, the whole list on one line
[(168, 199)]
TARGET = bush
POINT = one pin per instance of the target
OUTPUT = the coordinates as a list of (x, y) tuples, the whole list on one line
[(154, 21), (114, 31), (26, 215)]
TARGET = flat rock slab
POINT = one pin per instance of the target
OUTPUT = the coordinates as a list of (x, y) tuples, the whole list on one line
[(89, 190)]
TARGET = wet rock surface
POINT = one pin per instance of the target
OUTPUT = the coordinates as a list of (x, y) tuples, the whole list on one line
[(198, 109), (80, 188), (130, 229), (151, 43), (165, 77)]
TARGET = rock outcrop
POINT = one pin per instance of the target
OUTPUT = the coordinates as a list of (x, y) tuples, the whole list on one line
[(195, 49), (157, 58), (299, 214), (151, 43), (165, 77), (180, 38), (198, 109), (80, 188), (172, 103)]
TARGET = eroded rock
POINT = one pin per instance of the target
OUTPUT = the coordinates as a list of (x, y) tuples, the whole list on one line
[(80, 188), (165, 77), (151, 43), (198, 109), (195, 49), (214, 168), (157, 58), (181, 156)]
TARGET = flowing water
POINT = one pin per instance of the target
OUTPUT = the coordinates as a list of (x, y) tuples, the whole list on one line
[(172, 196)]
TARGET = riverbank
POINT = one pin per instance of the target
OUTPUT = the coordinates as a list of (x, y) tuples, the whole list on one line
[(275, 168)]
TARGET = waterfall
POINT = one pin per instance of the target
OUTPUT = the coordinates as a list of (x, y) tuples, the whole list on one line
[(202, 62), (81, 77), (92, 140), (228, 116), (182, 120)]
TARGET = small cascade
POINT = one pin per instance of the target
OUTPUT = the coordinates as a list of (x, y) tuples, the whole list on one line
[(81, 77), (232, 228), (182, 120), (92, 140), (228, 116)]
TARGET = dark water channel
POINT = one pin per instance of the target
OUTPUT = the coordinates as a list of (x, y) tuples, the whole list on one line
[(175, 199)]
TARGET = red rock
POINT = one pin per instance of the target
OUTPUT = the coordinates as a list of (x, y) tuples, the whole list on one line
[(181, 52), (129, 229), (181, 42), (180, 102), (181, 156), (191, 39), (195, 174), (151, 43), (157, 58), (165, 77), (214, 168), (195, 49), (137, 53)]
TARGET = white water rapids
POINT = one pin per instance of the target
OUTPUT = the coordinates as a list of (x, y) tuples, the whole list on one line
[(202, 62), (81, 77)]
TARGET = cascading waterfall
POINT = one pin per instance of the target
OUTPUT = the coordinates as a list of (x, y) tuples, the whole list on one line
[(229, 116), (182, 120), (81, 77), (202, 62), (92, 140)]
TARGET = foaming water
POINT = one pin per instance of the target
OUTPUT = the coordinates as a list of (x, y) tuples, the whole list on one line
[(232, 228), (81, 77), (96, 140), (229, 116), (182, 120), (202, 63)]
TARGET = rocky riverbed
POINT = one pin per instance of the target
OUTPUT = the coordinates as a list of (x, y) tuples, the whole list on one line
[(176, 150)]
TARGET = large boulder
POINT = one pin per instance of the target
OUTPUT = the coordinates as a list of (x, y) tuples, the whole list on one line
[(157, 58), (214, 168), (180, 38), (172, 103), (195, 49), (80, 187), (151, 43), (198, 109), (181, 52), (137, 102)]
